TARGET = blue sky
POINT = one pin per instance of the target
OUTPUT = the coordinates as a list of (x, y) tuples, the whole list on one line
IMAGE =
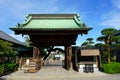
[(98, 14)]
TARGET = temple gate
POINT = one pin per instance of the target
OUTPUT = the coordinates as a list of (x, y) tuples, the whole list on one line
[(47, 30)]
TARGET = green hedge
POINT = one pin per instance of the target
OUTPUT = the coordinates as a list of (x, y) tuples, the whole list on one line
[(111, 68), (8, 67), (1, 66)]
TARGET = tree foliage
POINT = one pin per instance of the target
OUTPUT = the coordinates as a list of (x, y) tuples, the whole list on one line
[(6, 49), (28, 41), (108, 31), (84, 44), (88, 43), (108, 38)]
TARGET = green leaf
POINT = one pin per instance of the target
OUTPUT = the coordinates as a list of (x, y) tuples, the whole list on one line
[(115, 38), (108, 31), (101, 38)]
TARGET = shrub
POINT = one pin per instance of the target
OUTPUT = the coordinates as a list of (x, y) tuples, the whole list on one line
[(9, 66), (111, 68), (1, 69)]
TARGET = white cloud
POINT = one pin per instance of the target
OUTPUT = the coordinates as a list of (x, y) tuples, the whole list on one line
[(20, 8), (15, 11), (112, 19), (116, 3)]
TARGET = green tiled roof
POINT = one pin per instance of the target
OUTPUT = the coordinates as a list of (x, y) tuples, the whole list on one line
[(52, 29), (48, 21), (53, 23)]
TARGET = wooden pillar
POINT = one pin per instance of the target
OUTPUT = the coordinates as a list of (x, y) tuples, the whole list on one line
[(35, 52), (74, 58), (96, 60), (37, 55), (66, 57), (68, 54), (70, 57), (75, 54), (100, 65), (40, 57)]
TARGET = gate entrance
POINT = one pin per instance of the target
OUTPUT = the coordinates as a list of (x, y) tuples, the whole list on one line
[(47, 30)]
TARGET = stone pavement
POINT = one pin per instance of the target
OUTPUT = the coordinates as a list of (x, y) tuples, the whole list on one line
[(56, 72)]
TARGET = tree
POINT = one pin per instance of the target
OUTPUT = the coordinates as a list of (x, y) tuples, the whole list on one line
[(6, 48), (6, 53), (102, 48), (84, 44), (49, 49), (28, 41), (107, 37), (116, 41), (89, 42), (44, 52)]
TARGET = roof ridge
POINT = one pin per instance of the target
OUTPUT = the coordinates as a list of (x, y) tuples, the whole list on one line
[(52, 15)]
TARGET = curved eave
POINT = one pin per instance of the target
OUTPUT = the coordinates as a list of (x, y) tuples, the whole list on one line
[(51, 30)]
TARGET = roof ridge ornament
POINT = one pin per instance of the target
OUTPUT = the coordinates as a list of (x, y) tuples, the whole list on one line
[(78, 16), (28, 18), (84, 25), (77, 20)]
